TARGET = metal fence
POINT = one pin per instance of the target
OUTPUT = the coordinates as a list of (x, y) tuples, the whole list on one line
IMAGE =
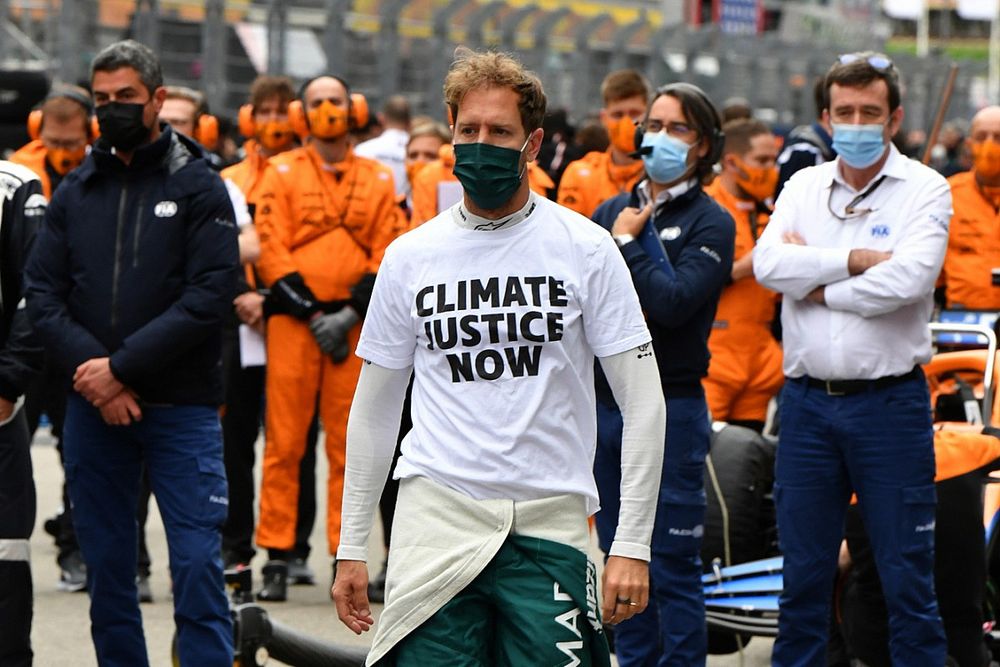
[(384, 47)]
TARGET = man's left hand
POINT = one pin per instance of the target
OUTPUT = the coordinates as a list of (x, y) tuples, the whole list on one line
[(95, 382), (350, 594), (626, 589)]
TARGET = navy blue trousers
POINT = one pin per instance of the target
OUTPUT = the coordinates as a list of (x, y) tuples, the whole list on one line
[(182, 449), (672, 629), (879, 444)]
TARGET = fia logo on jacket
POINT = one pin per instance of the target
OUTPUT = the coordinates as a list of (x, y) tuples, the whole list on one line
[(165, 209)]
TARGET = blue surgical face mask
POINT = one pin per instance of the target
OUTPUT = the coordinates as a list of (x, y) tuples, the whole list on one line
[(860, 146), (667, 162)]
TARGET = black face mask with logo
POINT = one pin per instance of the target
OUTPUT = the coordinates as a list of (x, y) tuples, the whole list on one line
[(121, 125)]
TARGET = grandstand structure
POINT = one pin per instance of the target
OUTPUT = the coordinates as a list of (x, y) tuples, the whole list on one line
[(388, 46)]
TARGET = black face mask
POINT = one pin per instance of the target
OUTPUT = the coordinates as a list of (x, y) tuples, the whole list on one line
[(121, 125)]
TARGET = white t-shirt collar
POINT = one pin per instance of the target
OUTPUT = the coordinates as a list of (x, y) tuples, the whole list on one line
[(466, 220)]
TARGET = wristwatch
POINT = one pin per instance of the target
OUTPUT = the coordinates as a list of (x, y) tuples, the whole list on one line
[(622, 239)]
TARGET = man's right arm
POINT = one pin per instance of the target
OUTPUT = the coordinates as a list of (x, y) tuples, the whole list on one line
[(48, 283), (387, 344), (371, 441), (372, 428)]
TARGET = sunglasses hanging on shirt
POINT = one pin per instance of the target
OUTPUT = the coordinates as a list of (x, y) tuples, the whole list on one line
[(852, 210)]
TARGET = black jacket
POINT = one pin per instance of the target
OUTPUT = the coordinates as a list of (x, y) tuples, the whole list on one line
[(680, 309), (139, 262), (805, 146), (22, 206)]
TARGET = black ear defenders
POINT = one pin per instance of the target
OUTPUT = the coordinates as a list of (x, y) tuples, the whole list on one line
[(640, 150), (717, 136)]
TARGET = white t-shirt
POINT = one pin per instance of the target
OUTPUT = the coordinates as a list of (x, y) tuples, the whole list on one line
[(389, 148), (501, 328), (239, 202)]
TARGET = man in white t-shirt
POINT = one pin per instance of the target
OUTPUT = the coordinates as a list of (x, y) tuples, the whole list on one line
[(389, 148), (498, 305)]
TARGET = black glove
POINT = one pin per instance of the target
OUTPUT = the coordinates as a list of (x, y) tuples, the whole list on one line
[(293, 297), (331, 331), (361, 294)]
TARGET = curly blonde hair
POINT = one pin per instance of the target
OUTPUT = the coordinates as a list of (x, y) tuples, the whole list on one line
[(472, 70)]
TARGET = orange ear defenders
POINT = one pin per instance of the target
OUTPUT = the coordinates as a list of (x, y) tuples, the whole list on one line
[(206, 131), (37, 116), (245, 121), (357, 110)]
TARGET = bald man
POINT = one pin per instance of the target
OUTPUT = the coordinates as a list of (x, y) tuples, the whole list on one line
[(325, 217), (973, 256)]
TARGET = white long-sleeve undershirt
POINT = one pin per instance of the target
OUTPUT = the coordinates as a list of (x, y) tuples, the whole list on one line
[(373, 426)]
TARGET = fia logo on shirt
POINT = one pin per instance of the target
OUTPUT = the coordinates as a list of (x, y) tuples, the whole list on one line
[(165, 209), (880, 231)]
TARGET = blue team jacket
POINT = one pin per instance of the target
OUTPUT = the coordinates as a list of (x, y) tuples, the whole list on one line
[(139, 262), (699, 238)]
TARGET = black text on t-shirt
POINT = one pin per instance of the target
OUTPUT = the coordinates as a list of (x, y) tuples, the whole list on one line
[(505, 324)]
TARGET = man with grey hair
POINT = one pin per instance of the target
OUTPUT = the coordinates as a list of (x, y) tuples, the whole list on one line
[(128, 283)]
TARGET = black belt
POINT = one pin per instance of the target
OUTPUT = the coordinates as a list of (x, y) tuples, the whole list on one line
[(845, 387)]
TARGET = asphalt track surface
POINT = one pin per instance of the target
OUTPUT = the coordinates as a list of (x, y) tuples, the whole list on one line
[(61, 629)]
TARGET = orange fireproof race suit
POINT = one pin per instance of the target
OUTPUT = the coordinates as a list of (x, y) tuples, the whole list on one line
[(32, 155), (745, 370), (424, 189), (323, 230), (592, 179), (973, 248)]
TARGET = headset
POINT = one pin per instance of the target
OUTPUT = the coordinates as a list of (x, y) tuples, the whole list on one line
[(718, 138), (206, 131), (37, 116), (206, 126), (245, 122), (298, 116)]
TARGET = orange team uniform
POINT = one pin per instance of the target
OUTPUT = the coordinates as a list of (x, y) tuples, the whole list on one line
[(745, 370), (331, 224), (973, 247), (424, 189), (32, 155), (590, 181)]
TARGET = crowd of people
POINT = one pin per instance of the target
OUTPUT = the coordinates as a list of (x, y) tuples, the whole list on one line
[(428, 299)]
